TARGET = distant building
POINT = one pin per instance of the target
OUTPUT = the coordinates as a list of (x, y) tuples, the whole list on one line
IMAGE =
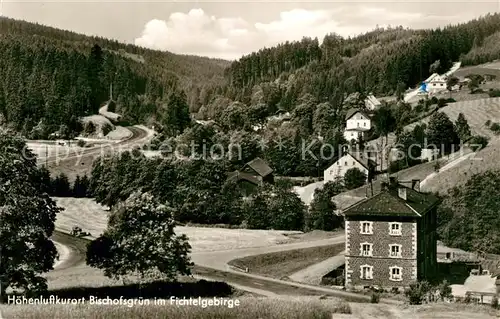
[(358, 124), (372, 103), (435, 83), (347, 161), (429, 154), (252, 175), (391, 238)]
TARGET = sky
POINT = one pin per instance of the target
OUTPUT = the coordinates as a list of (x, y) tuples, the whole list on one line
[(230, 29)]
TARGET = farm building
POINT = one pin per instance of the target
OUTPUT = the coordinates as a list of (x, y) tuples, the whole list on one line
[(350, 160), (435, 83), (372, 103), (252, 175)]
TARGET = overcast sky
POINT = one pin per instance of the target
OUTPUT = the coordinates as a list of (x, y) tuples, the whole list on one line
[(229, 29)]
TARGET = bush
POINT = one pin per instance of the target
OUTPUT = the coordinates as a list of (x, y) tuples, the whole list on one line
[(450, 100), (80, 143), (441, 103), (478, 142), (494, 302), (417, 292), (375, 298), (495, 128), (494, 93), (487, 123)]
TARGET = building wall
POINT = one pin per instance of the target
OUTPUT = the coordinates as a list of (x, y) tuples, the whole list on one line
[(358, 120), (427, 245), (380, 260), (341, 166)]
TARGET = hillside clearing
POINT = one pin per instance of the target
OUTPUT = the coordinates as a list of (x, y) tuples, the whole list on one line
[(476, 112), (92, 217)]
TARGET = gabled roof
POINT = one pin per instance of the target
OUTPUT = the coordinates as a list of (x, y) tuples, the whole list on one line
[(362, 159), (431, 77), (373, 100), (237, 176), (352, 112), (388, 203), (259, 166)]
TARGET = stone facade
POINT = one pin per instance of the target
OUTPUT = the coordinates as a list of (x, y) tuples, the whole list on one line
[(391, 239), (380, 259)]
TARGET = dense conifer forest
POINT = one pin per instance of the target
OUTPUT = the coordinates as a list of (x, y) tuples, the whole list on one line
[(50, 78)]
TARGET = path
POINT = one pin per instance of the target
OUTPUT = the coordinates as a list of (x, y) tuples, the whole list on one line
[(314, 273)]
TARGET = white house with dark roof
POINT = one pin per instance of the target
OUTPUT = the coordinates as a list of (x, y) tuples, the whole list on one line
[(436, 82), (346, 162), (358, 124), (372, 103)]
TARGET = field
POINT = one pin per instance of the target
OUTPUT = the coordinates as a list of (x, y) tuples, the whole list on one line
[(248, 308), (290, 307), (285, 263), (92, 217), (477, 112)]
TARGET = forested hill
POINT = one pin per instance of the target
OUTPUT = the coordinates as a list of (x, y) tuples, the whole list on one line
[(50, 77), (382, 61)]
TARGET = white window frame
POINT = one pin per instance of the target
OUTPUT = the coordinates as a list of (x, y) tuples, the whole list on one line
[(400, 249), (396, 233), (370, 250), (369, 275), (370, 227), (391, 277)]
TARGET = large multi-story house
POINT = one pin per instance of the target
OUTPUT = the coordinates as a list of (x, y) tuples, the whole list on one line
[(391, 238), (358, 124), (436, 83)]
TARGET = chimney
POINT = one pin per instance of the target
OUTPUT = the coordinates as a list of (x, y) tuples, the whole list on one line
[(415, 184), (402, 192)]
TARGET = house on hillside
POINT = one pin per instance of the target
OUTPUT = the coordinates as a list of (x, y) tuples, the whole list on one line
[(372, 103), (252, 175), (358, 124), (350, 160), (436, 82), (391, 238)]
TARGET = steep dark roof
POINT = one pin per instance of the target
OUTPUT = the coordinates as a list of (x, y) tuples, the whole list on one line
[(362, 159), (259, 166), (388, 203), (237, 176), (351, 112)]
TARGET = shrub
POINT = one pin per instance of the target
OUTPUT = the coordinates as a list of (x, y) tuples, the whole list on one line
[(417, 292), (478, 142), (375, 298), (494, 93), (450, 100), (81, 143), (106, 128), (445, 290), (494, 302), (441, 103), (487, 123), (495, 127)]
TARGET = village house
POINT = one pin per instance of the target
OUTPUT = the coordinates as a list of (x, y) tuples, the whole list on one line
[(358, 124), (350, 160), (436, 83), (372, 103), (252, 175), (391, 238)]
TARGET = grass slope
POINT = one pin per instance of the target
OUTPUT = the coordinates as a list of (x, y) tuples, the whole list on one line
[(476, 112), (285, 263)]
